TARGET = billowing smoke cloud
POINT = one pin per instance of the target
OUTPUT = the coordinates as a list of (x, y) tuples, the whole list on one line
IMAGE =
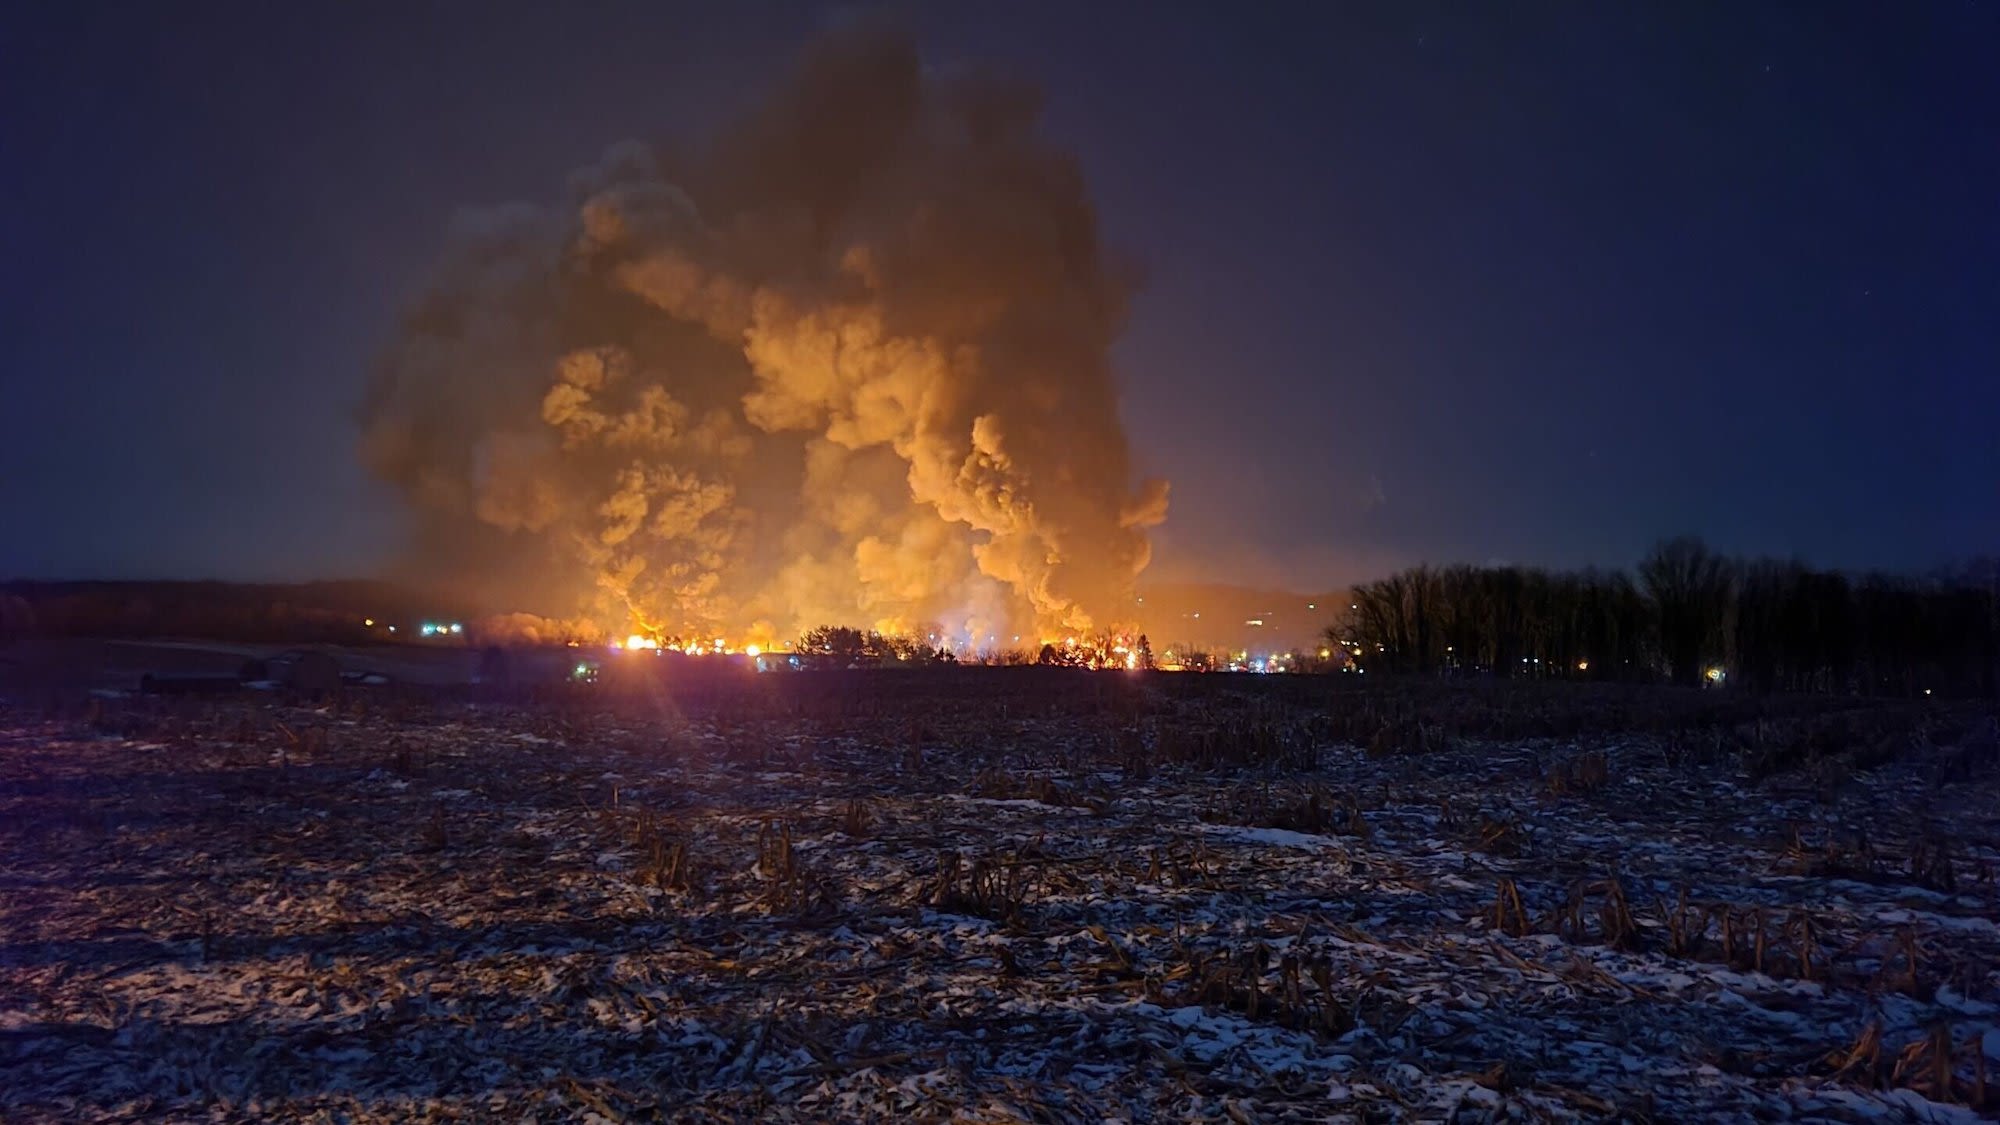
[(845, 364)]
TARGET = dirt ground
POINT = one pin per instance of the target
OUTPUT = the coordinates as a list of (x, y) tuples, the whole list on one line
[(997, 895)]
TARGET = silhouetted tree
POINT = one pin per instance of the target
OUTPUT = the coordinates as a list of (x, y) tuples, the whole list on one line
[(833, 645), (1690, 587), (1777, 626)]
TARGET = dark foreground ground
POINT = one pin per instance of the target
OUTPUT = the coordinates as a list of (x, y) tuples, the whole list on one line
[(998, 896)]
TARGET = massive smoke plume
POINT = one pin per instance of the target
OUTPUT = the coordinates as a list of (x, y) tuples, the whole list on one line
[(845, 363)]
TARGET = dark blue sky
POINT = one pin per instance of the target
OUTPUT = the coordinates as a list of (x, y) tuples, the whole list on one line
[(1453, 282)]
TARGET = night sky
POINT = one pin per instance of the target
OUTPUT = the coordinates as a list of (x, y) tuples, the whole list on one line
[(1450, 283)]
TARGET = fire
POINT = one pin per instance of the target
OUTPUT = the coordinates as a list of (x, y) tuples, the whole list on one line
[(1111, 651)]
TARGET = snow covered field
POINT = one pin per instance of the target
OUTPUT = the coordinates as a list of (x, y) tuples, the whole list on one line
[(1126, 906)]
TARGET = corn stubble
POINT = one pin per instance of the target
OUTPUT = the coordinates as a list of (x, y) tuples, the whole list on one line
[(1175, 897)]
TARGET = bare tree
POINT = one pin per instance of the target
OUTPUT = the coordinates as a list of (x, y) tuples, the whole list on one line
[(1690, 588)]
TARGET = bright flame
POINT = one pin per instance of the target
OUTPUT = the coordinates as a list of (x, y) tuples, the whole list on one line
[(637, 640), (753, 650)]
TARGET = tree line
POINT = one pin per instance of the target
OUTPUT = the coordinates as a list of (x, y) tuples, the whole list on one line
[(838, 646), (1688, 615)]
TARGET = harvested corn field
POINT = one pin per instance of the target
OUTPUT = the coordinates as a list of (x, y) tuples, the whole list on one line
[(1000, 895)]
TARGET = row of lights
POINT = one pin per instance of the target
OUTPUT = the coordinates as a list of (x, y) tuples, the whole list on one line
[(428, 628)]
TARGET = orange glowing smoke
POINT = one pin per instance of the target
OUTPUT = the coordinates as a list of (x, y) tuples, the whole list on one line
[(847, 364)]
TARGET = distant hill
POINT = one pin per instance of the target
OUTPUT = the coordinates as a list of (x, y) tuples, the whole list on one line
[(1212, 616), (327, 611)]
